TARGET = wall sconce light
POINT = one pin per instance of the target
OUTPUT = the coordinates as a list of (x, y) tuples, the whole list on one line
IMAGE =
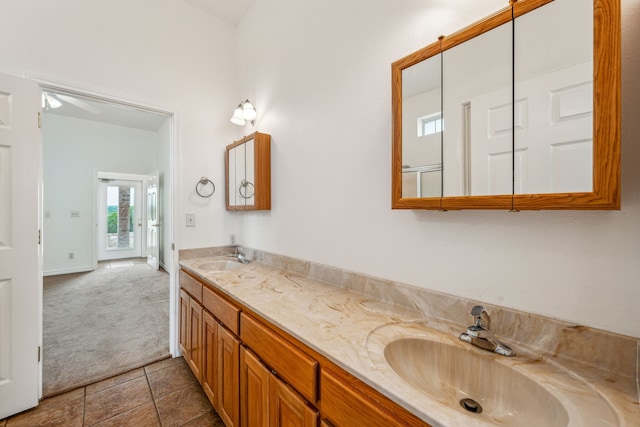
[(244, 112)]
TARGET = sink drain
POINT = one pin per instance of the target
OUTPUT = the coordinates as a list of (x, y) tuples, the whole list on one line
[(471, 405)]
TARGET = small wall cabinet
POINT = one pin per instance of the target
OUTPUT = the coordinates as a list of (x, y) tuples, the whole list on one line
[(248, 172)]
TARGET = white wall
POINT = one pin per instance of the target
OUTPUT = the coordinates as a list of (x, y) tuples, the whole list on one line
[(163, 53), (319, 75), (73, 151)]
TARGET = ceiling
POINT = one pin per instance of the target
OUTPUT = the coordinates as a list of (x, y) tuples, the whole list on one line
[(100, 111), (231, 11)]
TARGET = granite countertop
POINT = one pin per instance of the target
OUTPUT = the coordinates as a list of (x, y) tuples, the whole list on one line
[(351, 329)]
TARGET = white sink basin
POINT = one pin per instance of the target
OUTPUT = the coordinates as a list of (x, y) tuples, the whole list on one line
[(219, 265), (474, 387)]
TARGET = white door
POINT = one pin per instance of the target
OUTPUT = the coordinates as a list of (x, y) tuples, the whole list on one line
[(556, 146), (153, 222), (120, 218), (491, 151), (20, 251)]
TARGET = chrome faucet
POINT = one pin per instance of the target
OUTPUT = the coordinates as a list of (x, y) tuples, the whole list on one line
[(240, 255), (479, 334)]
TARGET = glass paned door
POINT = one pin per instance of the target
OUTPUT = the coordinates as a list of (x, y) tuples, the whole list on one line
[(119, 219)]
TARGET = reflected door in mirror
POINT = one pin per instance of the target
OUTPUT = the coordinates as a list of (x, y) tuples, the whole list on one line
[(554, 92), (477, 93)]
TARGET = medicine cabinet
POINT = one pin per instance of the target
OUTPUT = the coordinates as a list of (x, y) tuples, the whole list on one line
[(248, 173), (520, 110)]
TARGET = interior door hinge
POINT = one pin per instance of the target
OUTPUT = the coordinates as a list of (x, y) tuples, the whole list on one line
[(39, 237), (39, 120), (39, 353)]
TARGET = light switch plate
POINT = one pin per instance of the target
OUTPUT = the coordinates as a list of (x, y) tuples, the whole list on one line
[(191, 219)]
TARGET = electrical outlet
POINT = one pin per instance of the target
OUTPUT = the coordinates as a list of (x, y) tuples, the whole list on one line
[(233, 239), (72, 255), (191, 219)]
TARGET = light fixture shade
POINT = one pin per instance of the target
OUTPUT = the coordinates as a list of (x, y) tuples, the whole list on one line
[(53, 102), (248, 112), (238, 118)]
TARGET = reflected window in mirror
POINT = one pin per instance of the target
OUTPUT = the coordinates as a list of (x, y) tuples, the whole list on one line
[(422, 129)]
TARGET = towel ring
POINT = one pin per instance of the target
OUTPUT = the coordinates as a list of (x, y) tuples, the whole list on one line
[(246, 184), (204, 182)]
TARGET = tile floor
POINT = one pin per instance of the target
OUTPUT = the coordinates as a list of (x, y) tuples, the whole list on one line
[(164, 393)]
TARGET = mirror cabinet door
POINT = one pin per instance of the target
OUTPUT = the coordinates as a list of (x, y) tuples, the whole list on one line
[(554, 99), (247, 188), (235, 175), (477, 94), (422, 129)]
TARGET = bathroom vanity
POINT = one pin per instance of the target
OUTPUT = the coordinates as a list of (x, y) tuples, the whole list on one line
[(257, 374), (281, 337)]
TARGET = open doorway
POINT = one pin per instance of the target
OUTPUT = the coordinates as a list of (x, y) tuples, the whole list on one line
[(84, 136)]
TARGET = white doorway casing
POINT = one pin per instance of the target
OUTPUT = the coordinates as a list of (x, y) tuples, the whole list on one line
[(169, 139)]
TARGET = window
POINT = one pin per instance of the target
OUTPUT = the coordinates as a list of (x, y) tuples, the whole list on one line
[(429, 125)]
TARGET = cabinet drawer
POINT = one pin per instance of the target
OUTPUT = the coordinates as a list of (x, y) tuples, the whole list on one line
[(345, 405), (191, 285), (223, 310), (291, 364)]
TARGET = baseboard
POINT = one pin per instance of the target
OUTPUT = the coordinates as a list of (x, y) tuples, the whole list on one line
[(67, 271)]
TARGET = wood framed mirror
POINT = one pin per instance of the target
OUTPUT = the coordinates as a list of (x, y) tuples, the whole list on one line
[(520, 110)]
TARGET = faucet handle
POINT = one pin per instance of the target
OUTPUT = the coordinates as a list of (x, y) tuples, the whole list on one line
[(480, 321)]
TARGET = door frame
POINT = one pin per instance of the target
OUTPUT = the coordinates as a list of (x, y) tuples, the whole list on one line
[(170, 184)]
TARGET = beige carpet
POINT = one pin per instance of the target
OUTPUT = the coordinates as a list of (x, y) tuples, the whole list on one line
[(103, 323)]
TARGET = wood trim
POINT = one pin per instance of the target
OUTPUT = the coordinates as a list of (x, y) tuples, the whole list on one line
[(262, 171), (478, 28), (477, 202), (523, 7)]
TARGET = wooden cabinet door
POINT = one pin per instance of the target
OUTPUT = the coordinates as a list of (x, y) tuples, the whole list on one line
[(254, 391), (210, 358), (194, 349), (183, 338), (228, 377), (346, 404), (287, 408)]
